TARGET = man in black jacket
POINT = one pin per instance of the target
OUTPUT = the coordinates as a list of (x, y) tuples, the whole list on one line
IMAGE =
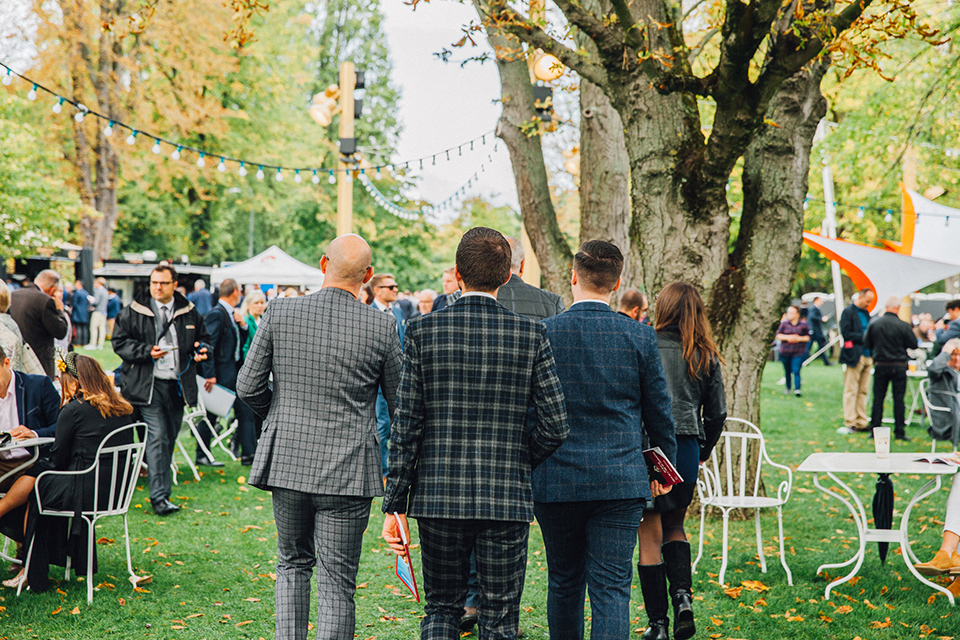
[(522, 298), (38, 310), (155, 337), (889, 337), (856, 379)]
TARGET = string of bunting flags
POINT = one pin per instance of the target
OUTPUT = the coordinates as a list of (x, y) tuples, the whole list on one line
[(81, 111), (413, 214)]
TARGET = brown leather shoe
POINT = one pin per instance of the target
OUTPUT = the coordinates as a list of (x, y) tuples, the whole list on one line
[(942, 563)]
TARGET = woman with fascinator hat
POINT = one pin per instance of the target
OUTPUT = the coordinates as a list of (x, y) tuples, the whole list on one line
[(90, 410)]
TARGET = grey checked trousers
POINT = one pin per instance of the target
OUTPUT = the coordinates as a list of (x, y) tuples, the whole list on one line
[(307, 523)]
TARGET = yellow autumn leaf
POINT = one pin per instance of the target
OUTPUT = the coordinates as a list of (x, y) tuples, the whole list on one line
[(56, 611), (876, 624), (716, 621), (121, 601), (75, 611), (844, 609), (826, 618), (240, 624), (754, 585), (733, 592)]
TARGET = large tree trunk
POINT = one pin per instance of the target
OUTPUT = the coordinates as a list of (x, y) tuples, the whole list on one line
[(752, 293), (526, 158)]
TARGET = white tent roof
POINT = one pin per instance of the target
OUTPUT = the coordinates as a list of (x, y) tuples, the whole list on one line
[(273, 266)]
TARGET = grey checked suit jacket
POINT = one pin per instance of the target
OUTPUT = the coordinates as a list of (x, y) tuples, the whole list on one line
[(460, 445), (329, 354)]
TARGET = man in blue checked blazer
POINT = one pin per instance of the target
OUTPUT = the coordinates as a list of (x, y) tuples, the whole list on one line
[(589, 494), (461, 455), (384, 287), (319, 453)]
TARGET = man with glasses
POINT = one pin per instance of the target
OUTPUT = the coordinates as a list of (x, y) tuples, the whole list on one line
[(157, 337), (384, 287)]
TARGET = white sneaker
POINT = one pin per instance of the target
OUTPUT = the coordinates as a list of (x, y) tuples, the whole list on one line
[(845, 431)]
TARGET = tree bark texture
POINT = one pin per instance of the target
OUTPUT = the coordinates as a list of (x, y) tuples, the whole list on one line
[(526, 157)]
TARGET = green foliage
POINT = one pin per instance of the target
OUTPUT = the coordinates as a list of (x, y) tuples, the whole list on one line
[(35, 205)]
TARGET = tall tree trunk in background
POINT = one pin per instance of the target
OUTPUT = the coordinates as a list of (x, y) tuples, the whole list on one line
[(526, 157), (604, 169), (106, 86), (748, 298)]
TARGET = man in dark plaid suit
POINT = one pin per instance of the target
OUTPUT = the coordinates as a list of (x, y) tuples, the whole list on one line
[(589, 495), (319, 453), (460, 447)]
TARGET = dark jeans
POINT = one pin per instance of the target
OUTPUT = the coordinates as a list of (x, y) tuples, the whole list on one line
[(818, 341), (501, 549), (163, 416), (589, 545), (791, 368), (896, 375), (83, 333)]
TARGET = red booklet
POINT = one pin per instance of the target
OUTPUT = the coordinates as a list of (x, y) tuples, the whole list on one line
[(660, 468)]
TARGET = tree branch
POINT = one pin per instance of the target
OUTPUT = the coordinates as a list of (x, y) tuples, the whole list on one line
[(632, 35), (608, 38)]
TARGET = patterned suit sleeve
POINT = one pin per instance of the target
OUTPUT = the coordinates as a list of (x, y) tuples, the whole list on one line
[(550, 429), (406, 434), (656, 407), (253, 381)]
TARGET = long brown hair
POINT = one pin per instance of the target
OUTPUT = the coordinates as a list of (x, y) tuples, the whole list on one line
[(679, 304), (96, 387)]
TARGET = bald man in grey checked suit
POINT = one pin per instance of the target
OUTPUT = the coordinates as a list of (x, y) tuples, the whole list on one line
[(319, 452)]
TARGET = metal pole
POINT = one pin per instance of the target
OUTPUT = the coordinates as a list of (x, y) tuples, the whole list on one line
[(250, 246), (830, 223), (348, 82)]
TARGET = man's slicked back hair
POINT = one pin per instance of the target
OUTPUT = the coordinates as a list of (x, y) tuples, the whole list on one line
[(483, 259), (598, 264)]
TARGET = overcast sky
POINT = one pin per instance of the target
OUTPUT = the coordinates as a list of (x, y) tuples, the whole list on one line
[(442, 104)]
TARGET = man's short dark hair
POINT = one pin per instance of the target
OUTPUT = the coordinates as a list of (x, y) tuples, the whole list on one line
[(483, 259), (227, 287), (863, 292), (631, 299), (953, 304), (598, 265), (166, 268)]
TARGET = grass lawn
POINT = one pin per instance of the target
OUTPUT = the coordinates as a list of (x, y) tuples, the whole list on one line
[(213, 563)]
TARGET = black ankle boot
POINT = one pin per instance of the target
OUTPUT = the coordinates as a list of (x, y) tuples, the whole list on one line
[(676, 557), (653, 586)]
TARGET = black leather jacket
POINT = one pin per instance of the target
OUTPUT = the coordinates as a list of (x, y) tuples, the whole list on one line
[(699, 406), (889, 337)]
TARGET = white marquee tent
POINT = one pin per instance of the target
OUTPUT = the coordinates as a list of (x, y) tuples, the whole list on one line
[(273, 266)]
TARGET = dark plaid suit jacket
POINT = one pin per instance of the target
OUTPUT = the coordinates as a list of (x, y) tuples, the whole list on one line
[(459, 444), (612, 377)]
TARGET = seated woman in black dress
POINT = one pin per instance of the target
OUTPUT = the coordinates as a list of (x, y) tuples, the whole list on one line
[(91, 410)]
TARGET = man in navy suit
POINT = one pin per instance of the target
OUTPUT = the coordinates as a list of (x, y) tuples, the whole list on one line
[(226, 336), (384, 287), (589, 495), (462, 453)]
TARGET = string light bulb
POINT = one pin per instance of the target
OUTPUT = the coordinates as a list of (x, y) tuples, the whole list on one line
[(279, 175), (378, 175), (332, 179), (242, 171), (861, 213), (81, 112), (176, 153), (32, 94), (315, 179), (222, 166), (296, 176), (108, 130), (200, 161), (260, 173), (132, 138), (889, 216), (58, 106), (7, 79), (156, 147)]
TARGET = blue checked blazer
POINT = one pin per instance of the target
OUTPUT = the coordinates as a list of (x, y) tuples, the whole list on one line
[(609, 366), (328, 355), (459, 447)]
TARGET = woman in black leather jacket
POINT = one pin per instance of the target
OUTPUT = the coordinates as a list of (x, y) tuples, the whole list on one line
[(691, 363)]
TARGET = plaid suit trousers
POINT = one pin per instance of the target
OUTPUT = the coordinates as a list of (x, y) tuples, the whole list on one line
[(307, 523), (501, 553)]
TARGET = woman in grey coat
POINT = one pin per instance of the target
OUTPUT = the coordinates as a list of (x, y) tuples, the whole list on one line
[(691, 363), (944, 374)]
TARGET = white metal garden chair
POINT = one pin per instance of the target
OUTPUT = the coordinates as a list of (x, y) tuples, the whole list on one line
[(123, 465), (729, 483), (929, 409)]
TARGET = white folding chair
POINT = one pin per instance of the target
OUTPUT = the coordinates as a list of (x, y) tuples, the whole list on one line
[(929, 409), (729, 483), (122, 462)]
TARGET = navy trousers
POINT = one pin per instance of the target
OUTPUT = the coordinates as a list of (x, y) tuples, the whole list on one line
[(589, 545)]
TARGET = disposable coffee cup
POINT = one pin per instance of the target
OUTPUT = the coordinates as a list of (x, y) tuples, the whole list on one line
[(881, 441)]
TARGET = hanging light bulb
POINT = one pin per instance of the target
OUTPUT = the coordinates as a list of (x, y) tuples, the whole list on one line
[(860, 213), (279, 176), (332, 179), (222, 166), (58, 106), (156, 147), (889, 216), (7, 79), (260, 173), (315, 179), (176, 153), (108, 130), (296, 176), (32, 94), (81, 111), (378, 175), (242, 171), (200, 161), (348, 177), (132, 138)]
